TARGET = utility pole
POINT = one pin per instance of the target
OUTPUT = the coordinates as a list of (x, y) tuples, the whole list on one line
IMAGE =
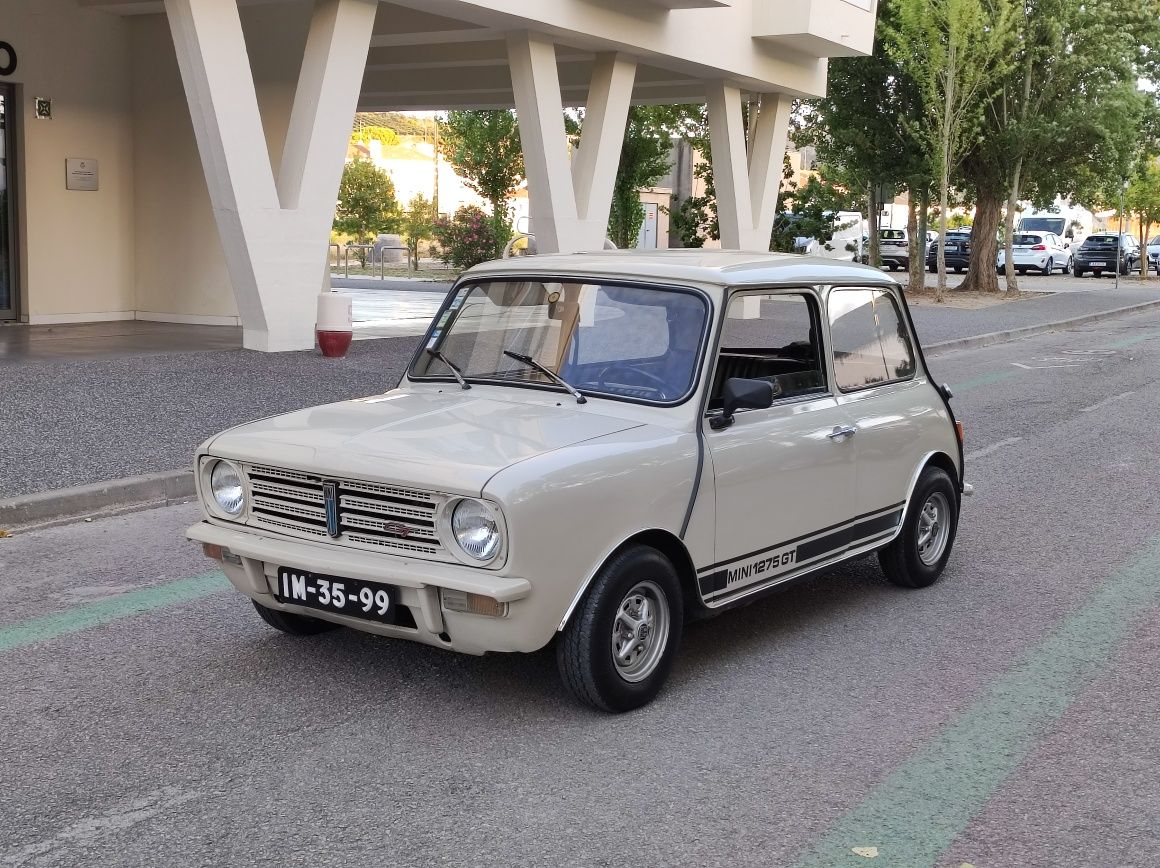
[(1120, 252), (435, 196)]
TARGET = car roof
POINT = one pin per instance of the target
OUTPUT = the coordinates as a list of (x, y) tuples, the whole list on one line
[(720, 267)]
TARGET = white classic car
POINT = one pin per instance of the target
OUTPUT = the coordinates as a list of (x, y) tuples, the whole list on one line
[(593, 449)]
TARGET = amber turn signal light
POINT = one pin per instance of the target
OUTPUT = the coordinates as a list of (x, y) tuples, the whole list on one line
[(212, 551), (959, 431)]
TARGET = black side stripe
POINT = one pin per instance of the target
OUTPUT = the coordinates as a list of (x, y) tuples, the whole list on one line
[(789, 542), (816, 549)]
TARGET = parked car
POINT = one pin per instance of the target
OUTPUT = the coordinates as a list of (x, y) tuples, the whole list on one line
[(958, 251), (893, 249), (1107, 251), (593, 449), (1043, 251), (1153, 250)]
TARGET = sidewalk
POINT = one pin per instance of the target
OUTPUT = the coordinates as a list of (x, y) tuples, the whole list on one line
[(139, 399)]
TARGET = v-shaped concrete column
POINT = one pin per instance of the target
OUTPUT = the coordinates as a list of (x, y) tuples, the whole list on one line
[(747, 184), (569, 205), (274, 231)]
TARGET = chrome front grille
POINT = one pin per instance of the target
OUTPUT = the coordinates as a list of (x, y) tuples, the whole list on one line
[(371, 515)]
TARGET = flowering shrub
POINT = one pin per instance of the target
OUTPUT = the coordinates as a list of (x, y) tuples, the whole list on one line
[(468, 238)]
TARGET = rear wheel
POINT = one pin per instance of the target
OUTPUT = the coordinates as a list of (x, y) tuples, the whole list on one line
[(1098, 272), (1049, 267), (1022, 271), (295, 625), (918, 555), (617, 650)]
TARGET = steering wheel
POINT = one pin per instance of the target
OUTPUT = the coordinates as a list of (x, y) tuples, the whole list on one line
[(660, 387)]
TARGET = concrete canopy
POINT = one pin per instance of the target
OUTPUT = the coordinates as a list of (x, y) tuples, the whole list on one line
[(535, 56)]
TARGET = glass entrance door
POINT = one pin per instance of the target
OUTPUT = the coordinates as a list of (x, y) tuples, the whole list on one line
[(7, 206)]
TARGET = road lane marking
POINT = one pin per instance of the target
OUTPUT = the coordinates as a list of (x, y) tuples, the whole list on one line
[(983, 380), (1106, 401), (1132, 341), (1041, 367), (994, 447), (89, 615), (915, 814)]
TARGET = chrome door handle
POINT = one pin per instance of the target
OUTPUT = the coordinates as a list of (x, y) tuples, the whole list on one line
[(840, 432)]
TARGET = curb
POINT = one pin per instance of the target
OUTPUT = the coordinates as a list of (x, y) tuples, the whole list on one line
[(62, 505), (1027, 331)]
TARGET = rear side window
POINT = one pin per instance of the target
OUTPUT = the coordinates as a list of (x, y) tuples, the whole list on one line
[(870, 340)]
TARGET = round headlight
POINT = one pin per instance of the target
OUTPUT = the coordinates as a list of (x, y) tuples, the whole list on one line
[(475, 529), (226, 485)]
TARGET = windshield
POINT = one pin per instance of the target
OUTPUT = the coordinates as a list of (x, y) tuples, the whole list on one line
[(633, 342), (1043, 224)]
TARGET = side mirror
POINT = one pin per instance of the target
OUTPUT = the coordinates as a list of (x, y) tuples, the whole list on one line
[(742, 394)]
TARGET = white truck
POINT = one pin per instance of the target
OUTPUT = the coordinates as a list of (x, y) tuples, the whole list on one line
[(1071, 223)]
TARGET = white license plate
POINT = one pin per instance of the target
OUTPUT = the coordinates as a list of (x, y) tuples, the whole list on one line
[(1099, 264)]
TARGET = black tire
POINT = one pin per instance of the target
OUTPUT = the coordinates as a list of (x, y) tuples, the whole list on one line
[(1049, 267), (295, 625), (1098, 272), (1021, 271), (901, 561), (933, 269), (1077, 271), (892, 266), (585, 650)]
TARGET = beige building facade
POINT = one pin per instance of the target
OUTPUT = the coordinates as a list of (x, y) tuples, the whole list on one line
[(212, 133)]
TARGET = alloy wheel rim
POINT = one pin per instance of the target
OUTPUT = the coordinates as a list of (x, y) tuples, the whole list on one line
[(640, 631), (933, 528)]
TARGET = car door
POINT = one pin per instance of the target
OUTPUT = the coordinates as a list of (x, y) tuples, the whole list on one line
[(784, 475), (876, 385)]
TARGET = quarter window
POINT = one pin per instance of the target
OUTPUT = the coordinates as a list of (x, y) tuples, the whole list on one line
[(871, 343)]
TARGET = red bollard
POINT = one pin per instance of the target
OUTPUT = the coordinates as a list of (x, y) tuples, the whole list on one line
[(335, 328)]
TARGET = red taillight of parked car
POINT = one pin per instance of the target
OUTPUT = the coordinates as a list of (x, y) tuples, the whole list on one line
[(1039, 247)]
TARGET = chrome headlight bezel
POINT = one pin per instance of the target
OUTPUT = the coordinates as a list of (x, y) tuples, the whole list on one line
[(209, 496), (451, 537)]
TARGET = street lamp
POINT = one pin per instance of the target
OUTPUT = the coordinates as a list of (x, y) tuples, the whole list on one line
[(1120, 237)]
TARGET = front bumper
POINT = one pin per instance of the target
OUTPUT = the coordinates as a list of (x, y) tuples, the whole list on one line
[(418, 583)]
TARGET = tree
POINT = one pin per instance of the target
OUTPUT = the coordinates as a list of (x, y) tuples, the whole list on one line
[(1142, 198), (366, 202), (644, 160), (866, 131), (1065, 120), (956, 53), (417, 224), (484, 147), (368, 133)]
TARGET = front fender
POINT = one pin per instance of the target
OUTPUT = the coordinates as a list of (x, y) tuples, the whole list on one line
[(568, 510)]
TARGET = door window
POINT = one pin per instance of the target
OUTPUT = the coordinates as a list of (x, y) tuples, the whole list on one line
[(871, 343), (773, 338)]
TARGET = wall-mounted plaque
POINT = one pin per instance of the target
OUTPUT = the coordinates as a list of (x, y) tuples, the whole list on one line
[(43, 107), (80, 173)]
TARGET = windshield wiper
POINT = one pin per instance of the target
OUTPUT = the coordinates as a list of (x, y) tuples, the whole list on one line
[(454, 370), (555, 378)]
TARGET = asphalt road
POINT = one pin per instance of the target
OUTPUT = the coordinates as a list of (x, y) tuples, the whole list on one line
[(1007, 716)]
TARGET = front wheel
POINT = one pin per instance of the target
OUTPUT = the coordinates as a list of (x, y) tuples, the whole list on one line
[(617, 650), (294, 625), (918, 555), (1077, 271)]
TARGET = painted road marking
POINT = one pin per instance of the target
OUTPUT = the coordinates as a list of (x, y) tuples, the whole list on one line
[(983, 380), (1132, 341), (1106, 401), (928, 800), (1041, 367), (994, 447), (122, 606)]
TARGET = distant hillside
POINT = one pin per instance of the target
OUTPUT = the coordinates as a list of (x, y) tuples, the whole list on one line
[(404, 125)]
